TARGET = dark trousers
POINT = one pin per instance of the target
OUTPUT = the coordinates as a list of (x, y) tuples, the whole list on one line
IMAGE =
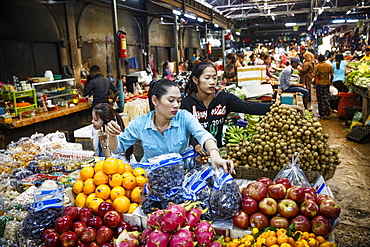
[(339, 85)]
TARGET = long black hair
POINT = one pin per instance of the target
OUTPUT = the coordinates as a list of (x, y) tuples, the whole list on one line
[(338, 59), (159, 88), (197, 71)]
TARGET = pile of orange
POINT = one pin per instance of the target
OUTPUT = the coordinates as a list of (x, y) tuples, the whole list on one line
[(111, 181), (278, 239)]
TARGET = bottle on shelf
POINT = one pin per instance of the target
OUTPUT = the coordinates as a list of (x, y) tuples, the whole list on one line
[(75, 96)]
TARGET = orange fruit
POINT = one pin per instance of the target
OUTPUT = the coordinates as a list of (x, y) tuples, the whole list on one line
[(110, 166), (121, 204), (129, 183), (109, 200), (102, 191), (312, 242), (121, 166), (312, 235), (274, 245), (228, 239), (271, 233), (116, 192), (138, 171), (282, 239), (270, 240), (132, 207), (291, 241), (90, 198), (128, 193), (264, 235), (101, 178), (94, 204), (127, 174), (80, 200), (99, 166), (320, 239), (280, 231), (305, 235), (140, 180), (299, 243), (115, 180), (285, 245), (249, 238), (78, 187), (136, 194), (89, 186), (86, 173), (127, 168)]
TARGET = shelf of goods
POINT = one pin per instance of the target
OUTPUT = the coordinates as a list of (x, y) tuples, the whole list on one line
[(15, 96), (63, 88)]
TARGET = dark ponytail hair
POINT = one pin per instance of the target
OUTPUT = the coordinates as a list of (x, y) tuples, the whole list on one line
[(338, 59), (159, 88), (197, 71), (106, 113)]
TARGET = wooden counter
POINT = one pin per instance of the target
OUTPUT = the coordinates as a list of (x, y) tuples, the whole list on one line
[(365, 94)]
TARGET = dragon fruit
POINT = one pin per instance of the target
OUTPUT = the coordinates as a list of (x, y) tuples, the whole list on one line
[(183, 238), (176, 208), (215, 244), (155, 219), (204, 233), (145, 234), (127, 239), (193, 216), (158, 238), (174, 217)]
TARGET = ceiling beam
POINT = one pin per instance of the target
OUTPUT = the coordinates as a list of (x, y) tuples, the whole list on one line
[(254, 15)]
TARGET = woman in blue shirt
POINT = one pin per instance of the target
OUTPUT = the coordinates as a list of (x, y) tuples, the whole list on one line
[(166, 129), (339, 67)]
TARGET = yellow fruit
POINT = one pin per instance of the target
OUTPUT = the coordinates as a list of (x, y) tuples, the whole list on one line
[(140, 180), (78, 187), (110, 166), (127, 174), (116, 192), (132, 207), (136, 194), (121, 166), (127, 168), (90, 198), (98, 166), (89, 186), (102, 191), (129, 183), (115, 180), (101, 178), (80, 200), (94, 204), (255, 231), (121, 204), (109, 200), (139, 172), (86, 173)]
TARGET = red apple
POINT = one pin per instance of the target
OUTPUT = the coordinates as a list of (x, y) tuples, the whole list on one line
[(136, 228), (80, 244), (104, 235), (95, 222), (268, 206), (309, 209), (267, 181), (52, 239), (249, 205), (288, 208), (84, 214), (111, 219), (308, 196), (320, 198), (330, 208), (78, 226), (106, 245), (88, 235), (104, 207), (302, 223), (71, 211), (244, 192), (277, 191), (310, 190), (63, 224), (258, 220), (46, 231), (121, 218), (296, 194), (68, 239), (279, 221), (241, 220), (284, 181), (257, 190), (122, 225), (320, 226), (94, 244)]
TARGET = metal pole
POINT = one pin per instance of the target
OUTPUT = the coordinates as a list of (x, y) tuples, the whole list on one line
[(176, 36), (205, 39), (223, 46), (115, 36)]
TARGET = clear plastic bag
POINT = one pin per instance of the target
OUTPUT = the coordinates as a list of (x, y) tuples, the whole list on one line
[(11, 230), (189, 159), (294, 173)]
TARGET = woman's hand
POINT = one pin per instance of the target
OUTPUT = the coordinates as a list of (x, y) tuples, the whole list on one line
[(198, 148), (113, 129), (217, 162), (298, 108), (101, 135)]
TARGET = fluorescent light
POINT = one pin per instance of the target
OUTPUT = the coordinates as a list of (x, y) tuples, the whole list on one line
[(216, 25), (315, 19), (176, 12), (228, 30), (328, 1), (190, 16), (348, 12), (320, 11), (237, 33), (200, 19), (338, 21), (273, 18), (290, 24), (353, 20)]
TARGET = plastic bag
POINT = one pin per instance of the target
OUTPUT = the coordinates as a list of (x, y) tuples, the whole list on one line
[(226, 197), (294, 173), (357, 117), (189, 159)]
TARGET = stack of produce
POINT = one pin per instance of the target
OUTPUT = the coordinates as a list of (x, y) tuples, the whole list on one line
[(112, 181), (359, 77), (281, 133), (279, 204)]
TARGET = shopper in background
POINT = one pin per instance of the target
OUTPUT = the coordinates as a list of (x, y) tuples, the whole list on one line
[(288, 86), (307, 69), (366, 58), (252, 59), (230, 70), (331, 57), (102, 113), (240, 59), (166, 71), (166, 129), (325, 74), (339, 68), (180, 67), (267, 63), (100, 87)]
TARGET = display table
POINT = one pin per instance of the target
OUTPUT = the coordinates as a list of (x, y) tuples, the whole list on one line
[(365, 94)]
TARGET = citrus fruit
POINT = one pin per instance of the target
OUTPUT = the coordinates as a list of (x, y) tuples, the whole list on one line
[(121, 166), (90, 198), (94, 204), (89, 186), (136, 194), (132, 207), (101, 178), (138, 171), (78, 186), (121, 204), (127, 174), (140, 180), (271, 240), (110, 166), (102, 191), (86, 172), (115, 180), (109, 200), (128, 193), (98, 166), (80, 200), (127, 168), (129, 183), (116, 192)]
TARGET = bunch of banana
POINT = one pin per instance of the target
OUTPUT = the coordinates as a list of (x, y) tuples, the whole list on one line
[(252, 121), (236, 134)]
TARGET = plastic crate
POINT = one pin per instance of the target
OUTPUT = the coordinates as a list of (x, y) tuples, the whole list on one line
[(347, 99), (359, 134), (287, 99)]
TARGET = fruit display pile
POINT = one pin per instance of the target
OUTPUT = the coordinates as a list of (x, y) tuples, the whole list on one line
[(279, 204), (112, 181), (281, 133)]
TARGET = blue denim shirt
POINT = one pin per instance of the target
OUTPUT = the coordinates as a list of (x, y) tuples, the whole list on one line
[(285, 76), (174, 139)]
